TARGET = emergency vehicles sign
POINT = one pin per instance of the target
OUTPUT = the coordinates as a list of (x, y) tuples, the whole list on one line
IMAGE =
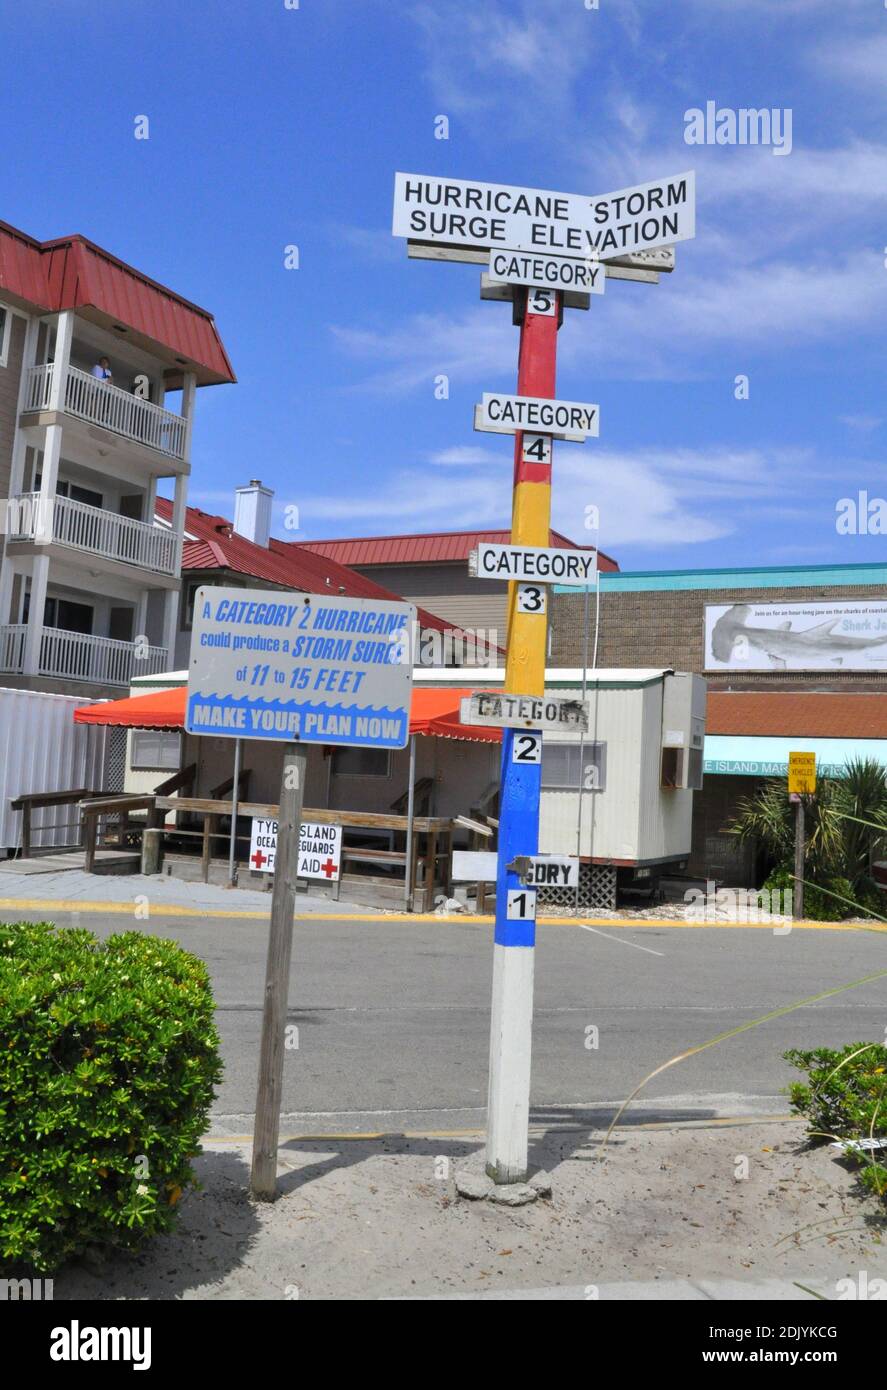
[(320, 849), (300, 667), (460, 212)]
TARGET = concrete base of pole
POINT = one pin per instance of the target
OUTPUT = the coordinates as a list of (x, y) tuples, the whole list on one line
[(477, 1187), (511, 1031)]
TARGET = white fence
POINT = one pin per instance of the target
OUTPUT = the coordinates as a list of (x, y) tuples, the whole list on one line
[(95, 529), (90, 398), (78, 656)]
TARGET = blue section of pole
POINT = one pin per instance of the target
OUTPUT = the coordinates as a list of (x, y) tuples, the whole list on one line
[(518, 834)]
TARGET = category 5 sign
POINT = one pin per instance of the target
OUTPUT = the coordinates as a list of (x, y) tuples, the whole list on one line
[(320, 849), (510, 414), (547, 565), (848, 636), (303, 667), (461, 212), (501, 710), (548, 272)]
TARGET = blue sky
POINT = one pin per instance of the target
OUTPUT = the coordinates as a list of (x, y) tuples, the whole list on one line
[(271, 127)]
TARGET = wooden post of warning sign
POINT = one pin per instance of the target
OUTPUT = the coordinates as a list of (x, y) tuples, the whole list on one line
[(280, 944)]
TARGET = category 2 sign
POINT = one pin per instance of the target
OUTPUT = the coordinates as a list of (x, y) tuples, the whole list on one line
[(320, 849), (461, 212), (300, 667)]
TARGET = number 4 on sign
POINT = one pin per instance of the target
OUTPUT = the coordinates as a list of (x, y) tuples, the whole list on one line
[(536, 448)]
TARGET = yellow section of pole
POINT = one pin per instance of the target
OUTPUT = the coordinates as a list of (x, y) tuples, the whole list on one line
[(528, 632)]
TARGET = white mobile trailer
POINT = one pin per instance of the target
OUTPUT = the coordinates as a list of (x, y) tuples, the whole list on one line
[(624, 794)]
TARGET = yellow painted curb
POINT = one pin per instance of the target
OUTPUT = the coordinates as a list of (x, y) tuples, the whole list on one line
[(624, 923)]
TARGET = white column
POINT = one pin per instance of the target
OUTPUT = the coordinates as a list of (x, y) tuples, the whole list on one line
[(141, 615), (511, 1032), (189, 393), (52, 452), (179, 511), (64, 336), (39, 580), (17, 463), (7, 574), (170, 626)]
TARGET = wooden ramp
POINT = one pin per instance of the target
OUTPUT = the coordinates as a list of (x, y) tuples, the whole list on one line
[(107, 861)]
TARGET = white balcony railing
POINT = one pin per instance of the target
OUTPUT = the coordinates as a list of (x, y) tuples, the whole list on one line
[(92, 529), (78, 656), (94, 400)]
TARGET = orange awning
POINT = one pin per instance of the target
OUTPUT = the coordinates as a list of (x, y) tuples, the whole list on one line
[(435, 713)]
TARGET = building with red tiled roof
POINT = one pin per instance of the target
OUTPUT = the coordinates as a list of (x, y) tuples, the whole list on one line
[(214, 552), (432, 568)]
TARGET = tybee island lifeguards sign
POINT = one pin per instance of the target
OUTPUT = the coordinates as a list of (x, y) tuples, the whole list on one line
[(301, 667), (461, 212)]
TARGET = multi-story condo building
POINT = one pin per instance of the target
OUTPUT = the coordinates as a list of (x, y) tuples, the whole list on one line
[(89, 350)]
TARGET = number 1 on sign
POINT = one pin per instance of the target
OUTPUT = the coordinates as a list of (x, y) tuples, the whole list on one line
[(521, 905)]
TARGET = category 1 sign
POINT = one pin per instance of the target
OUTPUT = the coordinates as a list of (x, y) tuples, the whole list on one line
[(300, 667), (461, 212), (320, 849), (548, 272), (510, 414), (540, 564), (501, 710)]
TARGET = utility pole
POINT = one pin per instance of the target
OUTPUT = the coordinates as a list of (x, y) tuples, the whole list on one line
[(515, 936)]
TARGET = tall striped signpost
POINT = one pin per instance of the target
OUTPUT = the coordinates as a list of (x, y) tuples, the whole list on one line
[(545, 252)]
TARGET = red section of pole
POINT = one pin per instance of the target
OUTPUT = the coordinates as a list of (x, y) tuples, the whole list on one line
[(536, 376)]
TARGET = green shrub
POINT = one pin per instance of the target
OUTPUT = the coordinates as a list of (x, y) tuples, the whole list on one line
[(108, 1059), (836, 904), (845, 1097)]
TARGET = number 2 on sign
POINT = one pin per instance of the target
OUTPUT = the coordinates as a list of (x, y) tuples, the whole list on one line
[(521, 906), (526, 748)]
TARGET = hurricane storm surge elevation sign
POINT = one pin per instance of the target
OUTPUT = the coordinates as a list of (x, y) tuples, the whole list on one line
[(300, 667), (461, 212)]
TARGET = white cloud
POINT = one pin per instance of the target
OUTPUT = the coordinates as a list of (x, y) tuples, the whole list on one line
[(862, 60), (460, 455)]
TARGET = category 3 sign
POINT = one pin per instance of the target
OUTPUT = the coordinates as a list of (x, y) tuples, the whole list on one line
[(461, 212), (300, 667), (546, 565), (849, 636)]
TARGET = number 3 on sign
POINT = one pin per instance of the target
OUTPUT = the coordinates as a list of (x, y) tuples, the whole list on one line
[(521, 905), (530, 598), (526, 748)]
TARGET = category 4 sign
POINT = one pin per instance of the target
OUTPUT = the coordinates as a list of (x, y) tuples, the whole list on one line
[(302, 667)]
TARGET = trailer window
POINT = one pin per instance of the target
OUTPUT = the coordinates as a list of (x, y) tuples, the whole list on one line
[(569, 767)]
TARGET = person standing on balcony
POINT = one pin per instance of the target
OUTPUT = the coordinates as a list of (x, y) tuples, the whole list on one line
[(102, 369)]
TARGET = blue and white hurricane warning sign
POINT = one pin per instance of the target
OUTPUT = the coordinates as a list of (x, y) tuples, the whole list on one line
[(300, 667)]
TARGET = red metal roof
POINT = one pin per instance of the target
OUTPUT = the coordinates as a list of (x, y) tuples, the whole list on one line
[(791, 714), (74, 273), (436, 547), (216, 545)]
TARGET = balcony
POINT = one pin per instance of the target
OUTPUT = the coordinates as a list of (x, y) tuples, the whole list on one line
[(89, 398), (92, 530), (78, 656)]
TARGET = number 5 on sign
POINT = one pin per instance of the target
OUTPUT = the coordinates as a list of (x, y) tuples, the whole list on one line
[(541, 302), (521, 905)]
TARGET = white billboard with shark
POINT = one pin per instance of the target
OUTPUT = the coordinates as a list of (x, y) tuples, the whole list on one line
[(848, 636)]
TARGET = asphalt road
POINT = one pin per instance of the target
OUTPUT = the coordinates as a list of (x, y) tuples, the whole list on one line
[(393, 1017)]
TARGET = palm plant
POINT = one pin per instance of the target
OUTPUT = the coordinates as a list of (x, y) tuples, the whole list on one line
[(846, 823)]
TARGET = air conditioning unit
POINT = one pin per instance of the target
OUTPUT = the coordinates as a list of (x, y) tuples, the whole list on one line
[(683, 732)]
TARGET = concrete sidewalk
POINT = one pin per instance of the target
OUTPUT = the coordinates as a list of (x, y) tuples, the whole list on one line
[(73, 886)]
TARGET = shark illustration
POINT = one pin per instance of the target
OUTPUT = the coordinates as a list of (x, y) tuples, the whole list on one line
[(780, 644)]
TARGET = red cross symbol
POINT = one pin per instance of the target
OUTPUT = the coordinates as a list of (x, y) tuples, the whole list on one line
[(328, 868), (259, 858)]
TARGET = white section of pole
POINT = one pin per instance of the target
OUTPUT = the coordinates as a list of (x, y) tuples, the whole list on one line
[(511, 1034)]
